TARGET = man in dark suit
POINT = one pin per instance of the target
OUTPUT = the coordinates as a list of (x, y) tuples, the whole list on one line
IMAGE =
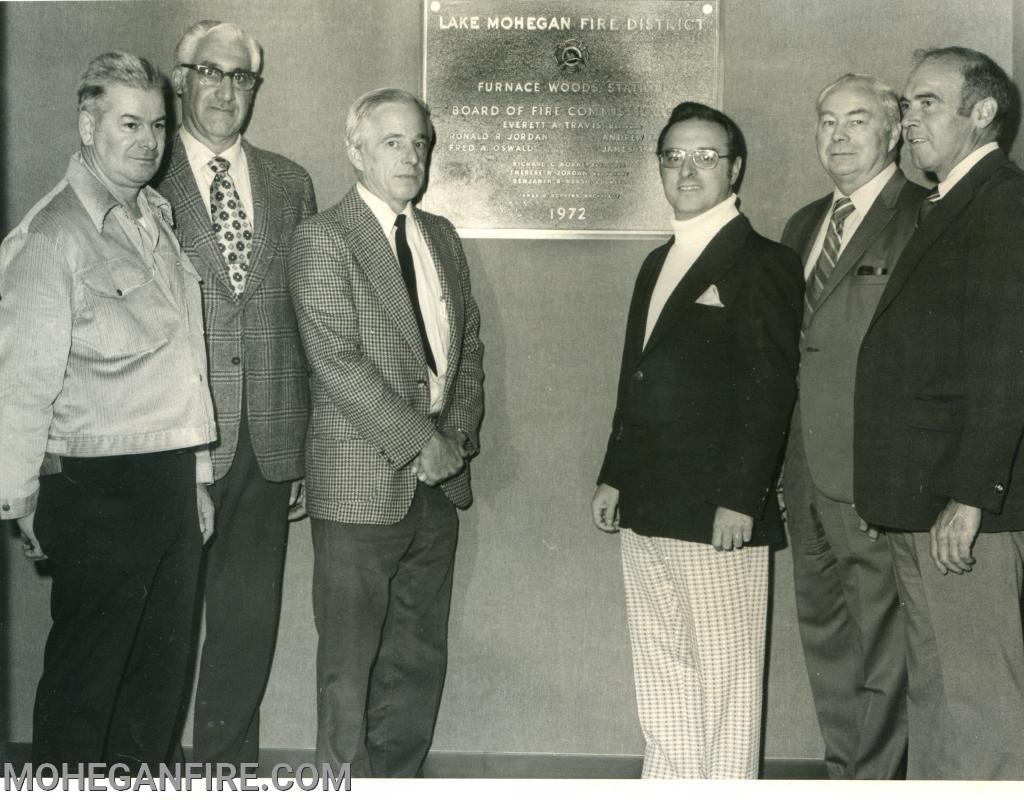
[(846, 598), (235, 208), (706, 390), (391, 330), (939, 414)]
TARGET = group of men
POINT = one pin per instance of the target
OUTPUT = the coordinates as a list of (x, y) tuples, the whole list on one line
[(183, 363), (188, 348), (903, 490)]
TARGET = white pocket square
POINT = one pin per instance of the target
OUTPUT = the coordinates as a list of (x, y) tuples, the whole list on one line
[(710, 297)]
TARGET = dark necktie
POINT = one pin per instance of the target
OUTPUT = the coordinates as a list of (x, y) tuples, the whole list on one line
[(927, 206), (409, 276), (230, 224), (842, 208)]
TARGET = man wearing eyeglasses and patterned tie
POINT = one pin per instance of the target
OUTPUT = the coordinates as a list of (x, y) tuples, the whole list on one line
[(846, 599), (235, 207), (706, 388)]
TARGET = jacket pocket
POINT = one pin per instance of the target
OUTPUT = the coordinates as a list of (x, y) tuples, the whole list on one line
[(129, 315)]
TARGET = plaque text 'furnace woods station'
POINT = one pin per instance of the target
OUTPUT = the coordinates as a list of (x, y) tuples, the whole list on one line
[(547, 113)]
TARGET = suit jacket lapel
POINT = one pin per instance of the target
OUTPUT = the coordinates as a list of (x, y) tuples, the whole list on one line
[(189, 204), (878, 216), (715, 260), (811, 227), (946, 211), (266, 190), (374, 253)]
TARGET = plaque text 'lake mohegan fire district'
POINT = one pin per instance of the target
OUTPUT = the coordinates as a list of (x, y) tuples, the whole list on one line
[(547, 113)]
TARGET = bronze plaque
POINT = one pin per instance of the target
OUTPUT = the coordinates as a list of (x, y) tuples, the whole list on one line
[(547, 113)]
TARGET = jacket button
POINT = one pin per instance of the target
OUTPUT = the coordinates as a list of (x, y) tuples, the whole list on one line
[(236, 360), (421, 382), (6, 506), (638, 375), (1000, 488)]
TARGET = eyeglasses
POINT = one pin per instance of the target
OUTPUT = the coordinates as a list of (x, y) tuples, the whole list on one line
[(703, 158), (241, 79)]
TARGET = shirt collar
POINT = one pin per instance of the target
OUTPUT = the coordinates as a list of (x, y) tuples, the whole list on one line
[(864, 197), (964, 166), (97, 199), (199, 155), (381, 210), (708, 223)]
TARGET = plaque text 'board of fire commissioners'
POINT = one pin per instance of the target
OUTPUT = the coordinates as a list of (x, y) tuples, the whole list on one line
[(548, 113)]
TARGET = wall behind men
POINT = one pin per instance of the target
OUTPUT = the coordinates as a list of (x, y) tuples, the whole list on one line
[(539, 655)]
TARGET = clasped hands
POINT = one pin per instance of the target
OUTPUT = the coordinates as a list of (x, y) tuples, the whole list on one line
[(443, 456)]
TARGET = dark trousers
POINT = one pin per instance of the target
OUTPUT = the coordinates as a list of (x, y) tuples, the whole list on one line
[(244, 566), (381, 595), (851, 626), (123, 541)]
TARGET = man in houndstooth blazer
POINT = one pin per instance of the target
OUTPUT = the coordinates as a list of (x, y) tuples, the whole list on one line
[(258, 377), (391, 330)]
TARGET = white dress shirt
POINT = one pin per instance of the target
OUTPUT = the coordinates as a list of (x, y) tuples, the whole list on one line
[(199, 157), (692, 236), (863, 198), (963, 167), (428, 287)]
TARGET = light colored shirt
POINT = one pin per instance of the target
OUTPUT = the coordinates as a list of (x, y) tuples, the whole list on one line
[(862, 198), (691, 237), (963, 167), (428, 287), (101, 336), (199, 157)]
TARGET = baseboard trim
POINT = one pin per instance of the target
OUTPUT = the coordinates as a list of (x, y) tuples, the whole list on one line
[(453, 764)]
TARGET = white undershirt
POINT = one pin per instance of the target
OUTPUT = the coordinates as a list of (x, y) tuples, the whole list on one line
[(692, 236), (428, 287), (199, 157), (863, 198)]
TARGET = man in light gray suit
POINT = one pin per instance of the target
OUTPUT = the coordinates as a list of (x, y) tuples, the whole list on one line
[(847, 603), (391, 330)]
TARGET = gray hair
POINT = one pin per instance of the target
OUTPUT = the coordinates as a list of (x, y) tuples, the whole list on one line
[(373, 99), (883, 92), (185, 52), (116, 69)]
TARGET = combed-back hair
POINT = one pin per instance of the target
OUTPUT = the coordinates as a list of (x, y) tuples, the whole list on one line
[(185, 52), (882, 91), (373, 99), (116, 69)]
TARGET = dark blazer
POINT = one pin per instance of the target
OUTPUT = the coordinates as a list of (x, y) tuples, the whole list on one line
[(832, 333), (939, 407), (703, 409), (371, 395), (256, 335)]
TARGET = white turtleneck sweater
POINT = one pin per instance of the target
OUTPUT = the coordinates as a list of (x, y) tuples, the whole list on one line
[(692, 236)]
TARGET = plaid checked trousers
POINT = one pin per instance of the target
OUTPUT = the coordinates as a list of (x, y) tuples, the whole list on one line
[(697, 620)]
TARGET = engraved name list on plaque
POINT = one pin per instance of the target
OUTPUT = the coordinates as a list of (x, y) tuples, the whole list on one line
[(547, 113)]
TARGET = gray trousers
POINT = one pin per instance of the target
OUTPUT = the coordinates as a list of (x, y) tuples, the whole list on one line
[(381, 595), (966, 657)]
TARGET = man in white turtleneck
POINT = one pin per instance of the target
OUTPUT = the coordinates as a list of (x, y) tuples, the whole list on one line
[(705, 392)]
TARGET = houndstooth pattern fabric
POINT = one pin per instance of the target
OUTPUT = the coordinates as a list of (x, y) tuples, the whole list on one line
[(252, 340), (697, 620), (371, 394)]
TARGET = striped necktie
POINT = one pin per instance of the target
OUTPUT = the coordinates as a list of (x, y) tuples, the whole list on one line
[(841, 209)]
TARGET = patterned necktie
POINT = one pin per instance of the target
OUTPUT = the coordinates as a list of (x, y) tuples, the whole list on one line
[(927, 206), (230, 224), (842, 208), (409, 276)]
